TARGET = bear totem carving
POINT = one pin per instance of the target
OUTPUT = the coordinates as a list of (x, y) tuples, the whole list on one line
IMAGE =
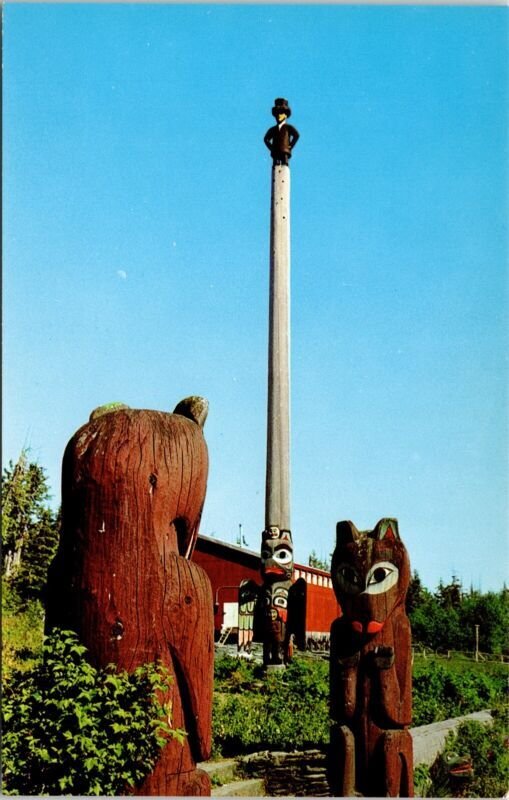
[(133, 489), (370, 665)]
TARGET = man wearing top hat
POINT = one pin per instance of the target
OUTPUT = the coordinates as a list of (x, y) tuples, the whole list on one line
[(282, 137)]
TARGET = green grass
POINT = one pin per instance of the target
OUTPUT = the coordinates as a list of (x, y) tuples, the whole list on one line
[(461, 663), (22, 634)]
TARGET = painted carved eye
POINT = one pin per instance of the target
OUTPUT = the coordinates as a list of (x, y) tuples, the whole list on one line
[(379, 575), (281, 602), (350, 576), (266, 554), (347, 579), (284, 556)]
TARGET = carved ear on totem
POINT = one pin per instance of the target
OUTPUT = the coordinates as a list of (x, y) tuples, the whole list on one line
[(346, 532), (386, 529), (108, 408), (195, 408)]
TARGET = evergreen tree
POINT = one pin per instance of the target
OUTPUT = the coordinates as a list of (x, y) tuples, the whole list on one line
[(491, 612), (318, 563), (416, 594), (450, 596), (29, 528)]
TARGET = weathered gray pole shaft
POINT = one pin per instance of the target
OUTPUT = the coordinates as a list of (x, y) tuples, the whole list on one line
[(277, 495)]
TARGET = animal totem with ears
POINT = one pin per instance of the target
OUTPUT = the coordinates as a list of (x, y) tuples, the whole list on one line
[(133, 489), (370, 665)]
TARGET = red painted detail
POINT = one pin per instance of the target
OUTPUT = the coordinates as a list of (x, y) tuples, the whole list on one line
[(283, 614), (464, 770), (274, 571), (389, 535), (227, 566), (374, 627), (356, 626)]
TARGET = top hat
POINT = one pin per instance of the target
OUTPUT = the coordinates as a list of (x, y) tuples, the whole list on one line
[(281, 107)]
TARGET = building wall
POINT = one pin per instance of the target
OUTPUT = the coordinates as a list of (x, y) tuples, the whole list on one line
[(228, 565), (322, 609), (226, 568)]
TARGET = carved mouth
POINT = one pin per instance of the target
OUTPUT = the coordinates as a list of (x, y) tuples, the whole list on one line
[(274, 571)]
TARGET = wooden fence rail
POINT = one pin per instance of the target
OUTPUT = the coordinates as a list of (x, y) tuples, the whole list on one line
[(469, 655)]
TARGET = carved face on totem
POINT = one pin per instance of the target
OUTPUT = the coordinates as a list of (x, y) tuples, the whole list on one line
[(276, 609), (370, 574), (277, 555)]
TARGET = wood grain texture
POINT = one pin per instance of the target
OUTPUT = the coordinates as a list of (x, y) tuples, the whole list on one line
[(133, 488), (370, 667)]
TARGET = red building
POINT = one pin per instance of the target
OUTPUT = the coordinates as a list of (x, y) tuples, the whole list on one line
[(227, 565)]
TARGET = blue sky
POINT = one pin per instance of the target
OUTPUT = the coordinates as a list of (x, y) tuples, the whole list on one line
[(136, 212)]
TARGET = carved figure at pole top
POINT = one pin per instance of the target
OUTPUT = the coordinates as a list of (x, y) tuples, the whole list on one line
[(281, 138), (370, 665)]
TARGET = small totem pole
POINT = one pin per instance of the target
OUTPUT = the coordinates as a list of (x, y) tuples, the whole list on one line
[(277, 570), (277, 548), (133, 488), (370, 665)]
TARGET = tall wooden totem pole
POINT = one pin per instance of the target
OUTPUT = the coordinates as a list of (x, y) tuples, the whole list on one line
[(277, 547), (370, 665), (133, 488)]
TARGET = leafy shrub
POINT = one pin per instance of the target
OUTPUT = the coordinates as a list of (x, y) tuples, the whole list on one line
[(233, 672), (422, 780), (440, 693), (488, 749), (288, 710), (22, 629), (71, 729)]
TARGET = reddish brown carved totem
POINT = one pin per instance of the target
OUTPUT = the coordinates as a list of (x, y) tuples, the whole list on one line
[(370, 665), (133, 489)]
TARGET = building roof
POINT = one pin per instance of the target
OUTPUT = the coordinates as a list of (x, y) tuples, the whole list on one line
[(234, 551)]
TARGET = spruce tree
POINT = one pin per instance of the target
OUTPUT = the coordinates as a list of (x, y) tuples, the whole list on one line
[(29, 528)]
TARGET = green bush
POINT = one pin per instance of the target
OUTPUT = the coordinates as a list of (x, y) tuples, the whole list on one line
[(487, 748), (232, 672), (290, 710), (440, 692), (422, 781), (285, 711), (71, 729), (22, 629)]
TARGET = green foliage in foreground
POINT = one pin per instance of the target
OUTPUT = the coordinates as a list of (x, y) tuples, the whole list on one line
[(441, 691), (284, 711), (22, 632), (486, 746), (290, 710), (71, 729)]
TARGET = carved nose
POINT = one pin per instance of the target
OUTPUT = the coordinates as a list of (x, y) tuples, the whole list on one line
[(372, 627)]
